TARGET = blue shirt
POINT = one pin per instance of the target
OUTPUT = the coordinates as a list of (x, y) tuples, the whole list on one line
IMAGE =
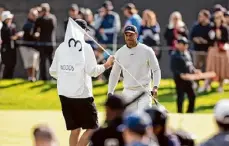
[(134, 20), (111, 26), (137, 143)]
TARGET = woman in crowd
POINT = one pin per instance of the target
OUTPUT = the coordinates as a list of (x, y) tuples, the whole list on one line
[(150, 31), (88, 15), (8, 48), (218, 56), (175, 29)]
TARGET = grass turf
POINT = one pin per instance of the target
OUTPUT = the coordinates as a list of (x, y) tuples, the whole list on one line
[(20, 94)]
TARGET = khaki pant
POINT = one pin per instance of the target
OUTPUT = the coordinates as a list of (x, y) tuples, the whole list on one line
[(199, 59)]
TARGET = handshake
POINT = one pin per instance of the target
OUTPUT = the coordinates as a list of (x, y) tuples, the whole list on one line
[(109, 62)]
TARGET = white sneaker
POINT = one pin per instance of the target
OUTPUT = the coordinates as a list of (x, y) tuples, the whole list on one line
[(201, 90)]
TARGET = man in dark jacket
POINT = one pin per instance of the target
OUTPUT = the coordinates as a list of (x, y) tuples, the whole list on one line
[(108, 133), (30, 55), (8, 48), (221, 114), (200, 38), (181, 64), (45, 31), (73, 12)]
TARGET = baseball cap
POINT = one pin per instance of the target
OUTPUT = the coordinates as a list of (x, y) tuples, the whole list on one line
[(158, 115), (74, 7), (115, 102), (221, 111), (131, 29), (182, 40), (7, 15), (129, 6), (82, 23), (108, 5), (136, 122)]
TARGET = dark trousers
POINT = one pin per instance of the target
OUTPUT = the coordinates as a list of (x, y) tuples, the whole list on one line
[(8, 71), (8, 62), (183, 87), (45, 54)]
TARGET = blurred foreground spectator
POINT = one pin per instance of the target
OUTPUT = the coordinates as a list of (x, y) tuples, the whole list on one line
[(131, 12), (159, 127), (221, 113), (8, 47), (150, 32), (44, 136), (30, 55), (45, 31), (175, 29), (108, 26), (108, 133), (134, 129)]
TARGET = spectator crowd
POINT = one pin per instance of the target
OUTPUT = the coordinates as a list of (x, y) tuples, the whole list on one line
[(209, 49), (37, 39)]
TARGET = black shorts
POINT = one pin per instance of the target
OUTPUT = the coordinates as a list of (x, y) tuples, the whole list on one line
[(79, 113)]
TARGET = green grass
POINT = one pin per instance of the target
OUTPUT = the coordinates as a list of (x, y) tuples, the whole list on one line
[(20, 94)]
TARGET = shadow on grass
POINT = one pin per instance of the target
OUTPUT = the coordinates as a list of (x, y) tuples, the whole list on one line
[(49, 87), (38, 85), (14, 84), (213, 90), (204, 107)]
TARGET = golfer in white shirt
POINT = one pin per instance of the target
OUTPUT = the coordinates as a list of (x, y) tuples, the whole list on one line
[(73, 66), (139, 60)]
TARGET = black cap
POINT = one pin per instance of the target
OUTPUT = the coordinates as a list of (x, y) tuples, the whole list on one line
[(82, 23), (129, 6), (74, 7), (114, 102), (182, 40), (158, 115), (108, 5), (131, 29)]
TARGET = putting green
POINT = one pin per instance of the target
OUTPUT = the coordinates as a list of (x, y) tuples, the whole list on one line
[(16, 126)]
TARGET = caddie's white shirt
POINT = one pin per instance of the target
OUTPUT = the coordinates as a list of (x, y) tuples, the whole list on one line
[(139, 61), (74, 78)]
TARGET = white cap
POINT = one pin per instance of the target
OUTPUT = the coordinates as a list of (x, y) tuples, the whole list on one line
[(7, 15), (222, 111)]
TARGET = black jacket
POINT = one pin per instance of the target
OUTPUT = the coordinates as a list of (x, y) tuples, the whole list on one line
[(8, 47), (47, 26), (108, 134), (181, 62), (170, 37), (28, 39), (199, 30)]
